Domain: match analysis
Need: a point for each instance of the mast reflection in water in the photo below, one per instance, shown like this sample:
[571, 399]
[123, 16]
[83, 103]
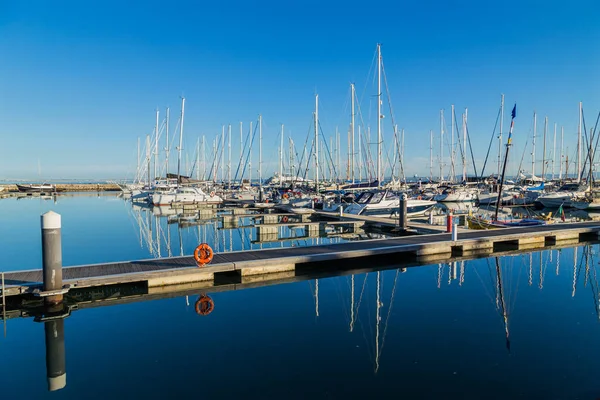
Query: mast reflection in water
[463, 325]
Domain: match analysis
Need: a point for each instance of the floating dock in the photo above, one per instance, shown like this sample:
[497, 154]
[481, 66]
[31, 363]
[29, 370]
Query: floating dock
[259, 264]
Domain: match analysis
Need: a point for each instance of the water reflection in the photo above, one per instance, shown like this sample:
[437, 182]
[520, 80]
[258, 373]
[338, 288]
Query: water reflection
[166, 231]
[383, 322]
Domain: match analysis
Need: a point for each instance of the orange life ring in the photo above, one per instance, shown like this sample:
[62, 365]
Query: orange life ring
[203, 254]
[204, 305]
[285, 196]
[419, 198]
[212, 194]
[284, 219]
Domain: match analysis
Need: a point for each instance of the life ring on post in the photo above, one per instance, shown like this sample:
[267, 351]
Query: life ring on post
[284, 219]
[203, 254]
[204, 305]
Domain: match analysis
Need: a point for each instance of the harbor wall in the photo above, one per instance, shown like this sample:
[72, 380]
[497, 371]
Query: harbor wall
[74, 187]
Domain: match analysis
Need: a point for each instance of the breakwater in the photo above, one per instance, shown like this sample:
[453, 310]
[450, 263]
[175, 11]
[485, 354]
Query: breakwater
[72, 187]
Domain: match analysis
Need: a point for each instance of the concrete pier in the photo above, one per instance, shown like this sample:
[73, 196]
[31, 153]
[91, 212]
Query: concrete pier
[405, 250]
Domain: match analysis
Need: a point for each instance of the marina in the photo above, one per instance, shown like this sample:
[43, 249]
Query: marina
[299, 201]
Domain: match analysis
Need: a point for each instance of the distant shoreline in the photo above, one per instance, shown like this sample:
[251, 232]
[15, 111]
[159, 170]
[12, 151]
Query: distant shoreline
[72, 187]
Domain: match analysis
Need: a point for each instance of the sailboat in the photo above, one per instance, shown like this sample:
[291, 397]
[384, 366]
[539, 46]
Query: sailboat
[479, 222]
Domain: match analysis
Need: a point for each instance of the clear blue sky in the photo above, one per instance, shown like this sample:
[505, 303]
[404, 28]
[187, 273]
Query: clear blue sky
[80, 80]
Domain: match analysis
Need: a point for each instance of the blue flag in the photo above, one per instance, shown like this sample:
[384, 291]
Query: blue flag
[514, 111]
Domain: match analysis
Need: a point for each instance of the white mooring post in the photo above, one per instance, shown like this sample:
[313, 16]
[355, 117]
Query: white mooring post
[52, 256]
[454, 232]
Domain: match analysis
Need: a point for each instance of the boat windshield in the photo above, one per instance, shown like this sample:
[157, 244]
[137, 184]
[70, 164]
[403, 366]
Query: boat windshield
[569, 187]
[364, 197]
[377, 197]
[390, 196]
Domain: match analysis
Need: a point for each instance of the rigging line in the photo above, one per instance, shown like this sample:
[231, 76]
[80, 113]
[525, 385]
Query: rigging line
[328, 153]
[485, 289]
[249, 150]
[389, 310]
[365, 145]
[312, 146]
[242, 156]
[303, 153]
[491, 141]
[214, 161]
[588, 146]
[471, 149]
[578, 272]
[523, 155]
[371, 68]
[362, 290]
[597, 138]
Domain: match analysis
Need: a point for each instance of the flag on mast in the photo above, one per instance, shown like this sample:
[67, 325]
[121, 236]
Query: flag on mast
[512, 124]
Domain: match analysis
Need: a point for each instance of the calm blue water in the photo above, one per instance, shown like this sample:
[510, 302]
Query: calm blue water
[106, 228]
[432, 334]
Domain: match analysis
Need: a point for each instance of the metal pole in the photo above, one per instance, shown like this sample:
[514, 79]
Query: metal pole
[52, 255]
[379, 116]
[352, 122]
[402, 221]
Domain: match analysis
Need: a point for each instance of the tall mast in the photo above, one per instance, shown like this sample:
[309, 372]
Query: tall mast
[464, 152]
[229, 157]
[544, 149]
[562, 135]
[198, 159]
[553, 150]
[222, 156]
[441, 145]
[452, 153]
[260, 150]
[137, 171]
[352, 124]
[180, 141]
[500, 135]
[402, 155]
[317, 143]
[430, 155]
[281, 158]
[508, 144]
[379, 116]
[359, 155]
[156, 147]
[339, 155]
[168, 144]
[250, 156]
[241, 142]
[533, 145]
[203, 158]
[579, 142]
[148, 157]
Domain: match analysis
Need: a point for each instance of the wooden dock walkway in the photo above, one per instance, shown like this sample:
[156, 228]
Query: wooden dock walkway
[157, 273]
